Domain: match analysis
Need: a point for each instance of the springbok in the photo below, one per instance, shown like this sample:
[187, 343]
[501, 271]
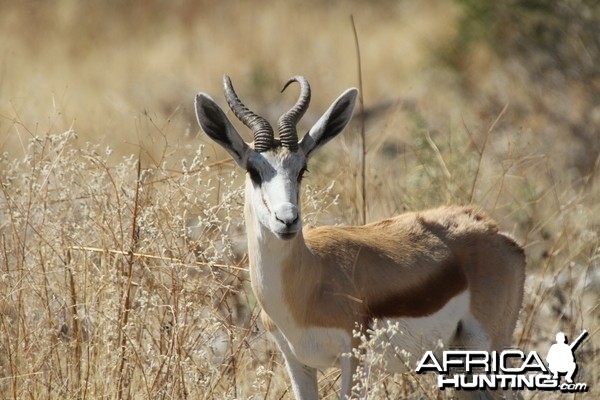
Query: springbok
[444, 274]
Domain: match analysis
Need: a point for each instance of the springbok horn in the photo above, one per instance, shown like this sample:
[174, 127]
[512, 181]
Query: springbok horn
[262, 130]
[288, 121]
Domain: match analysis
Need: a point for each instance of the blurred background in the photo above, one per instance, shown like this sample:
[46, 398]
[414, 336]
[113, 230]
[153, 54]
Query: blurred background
[107, 67]
[495, 103]
[124, 75]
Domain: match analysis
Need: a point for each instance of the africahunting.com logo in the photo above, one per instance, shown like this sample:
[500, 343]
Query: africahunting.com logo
[508, 369]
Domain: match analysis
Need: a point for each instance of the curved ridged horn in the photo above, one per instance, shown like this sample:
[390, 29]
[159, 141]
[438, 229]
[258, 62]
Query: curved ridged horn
[262, 130]
[288, 121]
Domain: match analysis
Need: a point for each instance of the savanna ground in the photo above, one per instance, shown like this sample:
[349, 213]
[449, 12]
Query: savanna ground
[123, 273]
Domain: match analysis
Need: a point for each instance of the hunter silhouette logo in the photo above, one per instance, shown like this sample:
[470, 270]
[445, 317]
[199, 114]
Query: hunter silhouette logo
[561, 358]
[507, 369]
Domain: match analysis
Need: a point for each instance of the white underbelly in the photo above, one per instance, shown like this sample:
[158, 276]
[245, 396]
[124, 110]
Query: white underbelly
[403, 341]
[400, 341]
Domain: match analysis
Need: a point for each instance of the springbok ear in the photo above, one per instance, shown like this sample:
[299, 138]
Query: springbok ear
[215, 124]
[331, 123]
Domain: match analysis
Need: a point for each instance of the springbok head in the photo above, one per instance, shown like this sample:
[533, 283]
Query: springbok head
[275, 166]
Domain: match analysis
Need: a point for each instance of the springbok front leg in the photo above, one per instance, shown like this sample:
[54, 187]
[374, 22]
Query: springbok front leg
[349, 364]
[303, 377]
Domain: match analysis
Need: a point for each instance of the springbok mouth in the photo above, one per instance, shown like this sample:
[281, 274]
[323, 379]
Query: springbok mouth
[287, 235]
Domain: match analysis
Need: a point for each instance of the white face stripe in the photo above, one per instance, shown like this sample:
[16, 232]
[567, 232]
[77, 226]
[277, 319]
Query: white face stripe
[275, 192]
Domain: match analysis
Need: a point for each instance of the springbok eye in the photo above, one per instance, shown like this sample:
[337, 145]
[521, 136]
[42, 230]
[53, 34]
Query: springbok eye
[254, 175]
[301, 174]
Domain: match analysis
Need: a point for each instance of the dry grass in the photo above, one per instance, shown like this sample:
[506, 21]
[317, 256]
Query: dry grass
[124, 276]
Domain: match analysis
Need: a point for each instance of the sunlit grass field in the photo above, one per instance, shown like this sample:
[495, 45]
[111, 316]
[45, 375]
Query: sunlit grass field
[123, 272]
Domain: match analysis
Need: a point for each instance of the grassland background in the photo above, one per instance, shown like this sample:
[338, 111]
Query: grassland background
[123, 270]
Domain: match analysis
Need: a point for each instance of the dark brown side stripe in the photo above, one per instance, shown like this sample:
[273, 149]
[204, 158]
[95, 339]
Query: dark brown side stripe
[425, 299]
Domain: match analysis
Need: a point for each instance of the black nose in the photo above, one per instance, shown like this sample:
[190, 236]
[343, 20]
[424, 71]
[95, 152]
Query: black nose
[287, 222]
[287, 214]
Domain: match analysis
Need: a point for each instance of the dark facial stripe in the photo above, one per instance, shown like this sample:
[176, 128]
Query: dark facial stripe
[262, 197]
